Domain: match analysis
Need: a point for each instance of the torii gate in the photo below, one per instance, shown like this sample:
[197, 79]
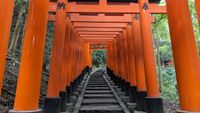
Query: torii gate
[68, 44]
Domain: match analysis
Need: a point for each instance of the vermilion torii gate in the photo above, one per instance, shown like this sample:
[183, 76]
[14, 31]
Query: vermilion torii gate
[126, 29]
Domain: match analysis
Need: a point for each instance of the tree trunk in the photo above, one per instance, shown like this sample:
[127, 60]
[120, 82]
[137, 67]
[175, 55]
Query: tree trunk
[16, 34]
[158, 59]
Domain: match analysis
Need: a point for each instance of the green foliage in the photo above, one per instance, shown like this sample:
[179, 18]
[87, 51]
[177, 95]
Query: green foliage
[161, 34]
[169, 89]
[195, 22]
[48, 46]
[99, 57]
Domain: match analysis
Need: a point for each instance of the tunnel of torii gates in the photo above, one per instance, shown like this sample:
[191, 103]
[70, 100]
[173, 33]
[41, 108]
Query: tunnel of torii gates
[125, 29]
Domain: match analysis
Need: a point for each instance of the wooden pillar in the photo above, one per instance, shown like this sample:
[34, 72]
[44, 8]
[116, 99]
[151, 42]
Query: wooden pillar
[64, 81]
[87, 53]
[52, 102]
[122, 61]
[185, 55]
[197, 5]
[125, 54]
[140, 91]
[71, 55]
[115, 52]
[67, 53]
[64, 67]
[139, 58]
[90, 58]
[132, 71]
[130, 86]
[107, 55]
[111, 56]
[71, 65]
[149, 59]
[119, 57]
[131, 55]
[28, 86]
[6, 8]
[126, 83]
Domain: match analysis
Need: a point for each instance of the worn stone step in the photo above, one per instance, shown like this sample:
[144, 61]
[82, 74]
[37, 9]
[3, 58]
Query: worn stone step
[98, 92]
[97, 88]
[126, 99]
[98, 96]
[101, 108]
[100, 101]
[99, 79]
[97, 85]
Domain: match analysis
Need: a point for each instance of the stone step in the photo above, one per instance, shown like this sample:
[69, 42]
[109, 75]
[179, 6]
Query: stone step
[97, 88]
[98, 96]
[97, 85]
[101, 108]
[99, 79]
[100, 101]
[98, 92]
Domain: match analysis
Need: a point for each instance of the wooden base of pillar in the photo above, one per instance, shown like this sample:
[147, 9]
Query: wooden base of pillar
[123, 85]
[31, 111]
[141, 100]
[52, 105]
[127, 89]
[154, 105]
[68, 94]
[133, 93]
[63, 96]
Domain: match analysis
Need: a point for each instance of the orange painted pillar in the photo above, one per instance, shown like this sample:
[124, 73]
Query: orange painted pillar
[64, 81]
[197, 5]
[115, 52]
[185, 53]
[71, 55]
[6, 8]
[107, 55]
[29, 79]
[149, 59]
[122, 61]
[74, 58]
[139, 58]
[86, 49]
[119, 57]
[125, 52]
[90, 58]
[74, 47]
[87, 53]
[132, 69]
[111, 56]
[68, 60]
[64, 67]
[53, 93]
[139, 65]
[71, 63]
[125, 82]
[131, 55]
[66, 70]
